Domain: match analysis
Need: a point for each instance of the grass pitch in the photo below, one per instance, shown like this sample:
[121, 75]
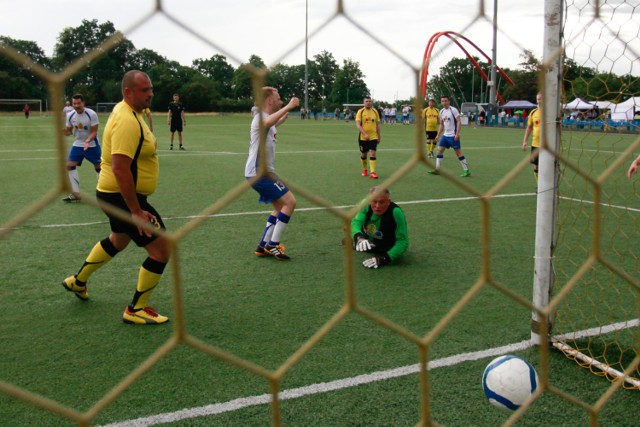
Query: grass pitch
[263, 311]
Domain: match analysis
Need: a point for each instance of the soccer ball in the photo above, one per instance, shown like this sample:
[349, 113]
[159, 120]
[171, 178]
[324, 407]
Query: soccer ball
[508, 381]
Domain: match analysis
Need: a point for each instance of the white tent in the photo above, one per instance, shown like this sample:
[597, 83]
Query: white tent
[624, 111]
[603, 105]
[579, 104]
[515, 104]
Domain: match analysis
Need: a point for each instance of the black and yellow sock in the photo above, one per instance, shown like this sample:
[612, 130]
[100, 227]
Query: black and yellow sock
[102, 253]
[372, 164]
[363, 162]
[535, 173]
[148, 278]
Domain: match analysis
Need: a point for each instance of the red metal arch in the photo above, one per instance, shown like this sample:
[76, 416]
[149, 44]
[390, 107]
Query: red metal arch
[454, 37]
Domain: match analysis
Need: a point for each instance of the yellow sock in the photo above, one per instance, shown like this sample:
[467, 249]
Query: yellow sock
[364, 163]
[372, 164]
[96, 259]
[536, 175]
[148, 278]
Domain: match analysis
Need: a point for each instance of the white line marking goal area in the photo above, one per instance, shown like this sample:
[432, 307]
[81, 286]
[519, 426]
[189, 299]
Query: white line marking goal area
[326, 387]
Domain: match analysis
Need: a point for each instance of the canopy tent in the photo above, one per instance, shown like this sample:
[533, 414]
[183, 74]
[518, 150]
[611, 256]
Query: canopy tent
[603, 105]
[578, 104]
[625, 111]
[518, 105]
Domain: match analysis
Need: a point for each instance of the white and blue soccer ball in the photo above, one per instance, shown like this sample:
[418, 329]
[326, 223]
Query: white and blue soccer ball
[508, 381]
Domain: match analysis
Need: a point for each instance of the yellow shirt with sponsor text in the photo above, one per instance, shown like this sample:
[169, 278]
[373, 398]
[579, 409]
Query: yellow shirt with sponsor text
[431, 117]
[368, 118]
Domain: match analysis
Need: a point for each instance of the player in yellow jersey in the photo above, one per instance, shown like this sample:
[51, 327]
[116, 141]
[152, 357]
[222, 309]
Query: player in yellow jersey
[533, 126]
[128, 176]
[431, 117]
[368, 123]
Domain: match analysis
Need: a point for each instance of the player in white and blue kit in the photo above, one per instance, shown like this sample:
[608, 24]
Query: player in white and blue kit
[83, 123]
[450, 131]
[268, 185]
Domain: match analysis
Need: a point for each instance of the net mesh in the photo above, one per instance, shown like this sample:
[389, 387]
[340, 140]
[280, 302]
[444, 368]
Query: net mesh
[596, 257]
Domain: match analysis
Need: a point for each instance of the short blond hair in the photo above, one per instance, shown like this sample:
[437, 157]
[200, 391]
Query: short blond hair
[268, 91]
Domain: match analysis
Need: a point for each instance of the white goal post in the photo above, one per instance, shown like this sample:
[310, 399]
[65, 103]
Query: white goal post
[21, 102]
[105, 107]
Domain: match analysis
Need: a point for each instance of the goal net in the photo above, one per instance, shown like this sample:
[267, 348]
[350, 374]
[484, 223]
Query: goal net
[105, 107]
[597, 255]
[17, 105]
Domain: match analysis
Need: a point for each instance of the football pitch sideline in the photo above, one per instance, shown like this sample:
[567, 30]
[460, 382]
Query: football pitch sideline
[263, 311]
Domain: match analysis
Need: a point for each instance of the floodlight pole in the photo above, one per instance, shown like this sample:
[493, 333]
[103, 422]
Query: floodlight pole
[306, 55]
[492, 93]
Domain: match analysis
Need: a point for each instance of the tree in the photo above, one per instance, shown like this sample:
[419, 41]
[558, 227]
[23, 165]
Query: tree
[349, 85]
[167, 79]
[219, 71]
[199, 93]
[289, 80]
[103, 72]
[322, 74]
[460, 80]
[145, 59]
[242, 86]
[525, 78]
[17, 81]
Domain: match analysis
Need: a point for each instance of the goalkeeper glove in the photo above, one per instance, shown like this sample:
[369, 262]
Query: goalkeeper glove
[363, 245]
[376, 262]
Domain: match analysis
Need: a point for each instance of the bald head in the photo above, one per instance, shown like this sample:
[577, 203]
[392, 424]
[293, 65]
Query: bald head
[129, 78]
[137, 89]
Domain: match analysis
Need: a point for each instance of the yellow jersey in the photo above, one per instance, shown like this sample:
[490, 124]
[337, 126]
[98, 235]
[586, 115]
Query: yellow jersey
[368, 118]
[431, 116]
[534, 120]
[127, 134]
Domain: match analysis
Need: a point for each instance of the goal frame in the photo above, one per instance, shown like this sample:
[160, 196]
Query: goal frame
[11, 101]
[101, 104]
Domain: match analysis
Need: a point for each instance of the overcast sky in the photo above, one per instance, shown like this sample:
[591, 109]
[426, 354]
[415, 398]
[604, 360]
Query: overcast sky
[275, 31]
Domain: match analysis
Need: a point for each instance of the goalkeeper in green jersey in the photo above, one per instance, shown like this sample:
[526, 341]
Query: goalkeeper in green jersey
[380, 229]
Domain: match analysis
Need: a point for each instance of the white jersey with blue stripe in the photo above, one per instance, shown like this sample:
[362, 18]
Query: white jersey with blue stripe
[81, 125]
[253, 162]
[450, 118]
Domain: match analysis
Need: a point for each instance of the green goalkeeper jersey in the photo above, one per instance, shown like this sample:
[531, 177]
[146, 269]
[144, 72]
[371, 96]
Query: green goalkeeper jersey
[388, 232]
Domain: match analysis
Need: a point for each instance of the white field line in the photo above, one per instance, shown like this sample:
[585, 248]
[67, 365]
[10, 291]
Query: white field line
[626, 208]
[230, 153]
[325, 387]
[410, 202]
[263, 399]
[244, 153]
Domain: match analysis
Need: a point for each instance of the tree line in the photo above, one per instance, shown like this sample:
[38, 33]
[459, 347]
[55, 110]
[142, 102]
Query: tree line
[208, 84]
[212, 84]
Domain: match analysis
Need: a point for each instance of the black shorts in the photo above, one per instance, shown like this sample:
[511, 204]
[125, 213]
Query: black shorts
[120, 226]
[367, 145]
[431, 134]
[535, 155]
[176, 126]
